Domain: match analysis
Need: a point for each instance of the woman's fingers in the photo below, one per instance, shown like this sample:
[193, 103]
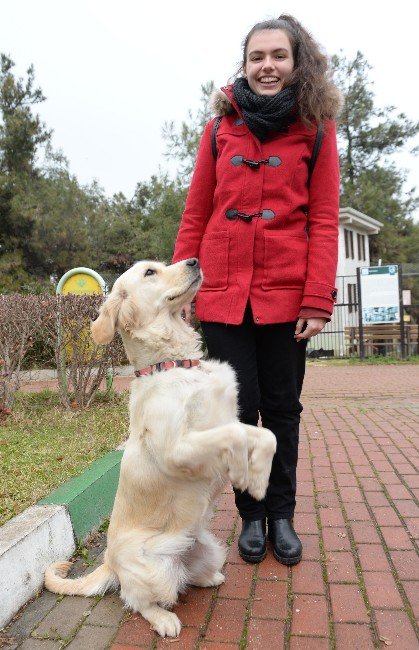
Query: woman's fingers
[313, 327]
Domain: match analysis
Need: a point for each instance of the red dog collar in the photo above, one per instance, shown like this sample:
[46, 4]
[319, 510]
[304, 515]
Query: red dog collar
[167, 365]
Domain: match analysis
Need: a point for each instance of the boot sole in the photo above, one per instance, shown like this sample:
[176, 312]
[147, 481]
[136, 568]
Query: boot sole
[253, 559]
[289, 561]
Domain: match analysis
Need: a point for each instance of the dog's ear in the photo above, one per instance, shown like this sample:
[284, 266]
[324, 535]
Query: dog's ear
[119, 309]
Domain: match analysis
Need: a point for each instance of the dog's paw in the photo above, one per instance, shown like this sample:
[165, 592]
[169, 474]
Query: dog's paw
[167, 624]
[239, 479]
[257, 485]
[213, 581]
[217, 579]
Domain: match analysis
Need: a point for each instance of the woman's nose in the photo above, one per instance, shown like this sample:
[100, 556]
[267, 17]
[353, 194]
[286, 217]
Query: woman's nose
[268, 63]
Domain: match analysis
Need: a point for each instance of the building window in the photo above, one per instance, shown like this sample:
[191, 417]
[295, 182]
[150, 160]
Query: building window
[349, 243]
[352, 299]
[361, 247]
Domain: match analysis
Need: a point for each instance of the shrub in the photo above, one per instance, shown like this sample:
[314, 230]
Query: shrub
[20, 323]
[82, 366]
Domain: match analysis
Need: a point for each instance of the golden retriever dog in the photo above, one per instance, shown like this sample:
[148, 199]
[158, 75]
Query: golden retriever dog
[185, 443]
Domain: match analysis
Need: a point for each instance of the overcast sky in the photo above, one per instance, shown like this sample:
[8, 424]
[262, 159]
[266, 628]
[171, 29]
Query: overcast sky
[114, 71]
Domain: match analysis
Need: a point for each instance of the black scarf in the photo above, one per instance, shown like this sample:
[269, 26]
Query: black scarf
[263, 114]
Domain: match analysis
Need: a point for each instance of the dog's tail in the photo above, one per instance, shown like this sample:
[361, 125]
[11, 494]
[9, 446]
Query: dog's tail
[95, 583]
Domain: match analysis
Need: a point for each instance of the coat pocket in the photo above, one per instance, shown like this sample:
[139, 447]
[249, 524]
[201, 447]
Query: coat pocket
[213, 258]
[285, 260]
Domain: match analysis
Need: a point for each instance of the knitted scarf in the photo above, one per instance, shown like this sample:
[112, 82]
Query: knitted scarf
[264, 114]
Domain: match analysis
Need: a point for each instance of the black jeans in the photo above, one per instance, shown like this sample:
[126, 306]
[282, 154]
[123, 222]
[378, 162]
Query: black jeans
[270, 367]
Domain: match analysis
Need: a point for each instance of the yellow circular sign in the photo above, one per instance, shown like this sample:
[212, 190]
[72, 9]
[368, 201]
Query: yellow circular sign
[81, 283]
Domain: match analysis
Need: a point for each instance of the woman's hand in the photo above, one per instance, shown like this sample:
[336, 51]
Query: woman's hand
[313, 327]
[186, 312]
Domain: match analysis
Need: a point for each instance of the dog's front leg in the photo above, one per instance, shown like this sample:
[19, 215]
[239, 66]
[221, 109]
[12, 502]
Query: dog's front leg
[221, 450]
[262, 446]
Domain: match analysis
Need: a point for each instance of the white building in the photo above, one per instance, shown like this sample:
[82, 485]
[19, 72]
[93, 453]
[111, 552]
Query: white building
[355, 229]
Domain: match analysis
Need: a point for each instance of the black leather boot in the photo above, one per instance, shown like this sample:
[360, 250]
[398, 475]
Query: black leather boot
[287, 547]
[252, 540]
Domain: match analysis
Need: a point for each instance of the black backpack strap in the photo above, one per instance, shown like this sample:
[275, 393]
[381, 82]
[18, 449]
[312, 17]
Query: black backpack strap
[214, 136]
[316, 149]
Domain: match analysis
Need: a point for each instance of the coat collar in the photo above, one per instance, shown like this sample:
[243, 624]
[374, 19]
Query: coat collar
[223, 102]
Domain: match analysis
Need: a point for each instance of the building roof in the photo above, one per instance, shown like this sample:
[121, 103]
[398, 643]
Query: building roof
[349, 216]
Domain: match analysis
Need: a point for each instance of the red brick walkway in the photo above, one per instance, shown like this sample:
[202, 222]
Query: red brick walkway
[358, 584]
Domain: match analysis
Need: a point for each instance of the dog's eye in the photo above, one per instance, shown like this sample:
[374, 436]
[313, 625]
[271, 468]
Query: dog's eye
[150, 272]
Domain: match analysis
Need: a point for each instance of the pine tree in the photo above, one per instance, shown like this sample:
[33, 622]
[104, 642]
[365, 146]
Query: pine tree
[370, 181]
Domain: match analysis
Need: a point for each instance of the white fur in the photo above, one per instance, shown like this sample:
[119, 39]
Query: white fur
[185, 443]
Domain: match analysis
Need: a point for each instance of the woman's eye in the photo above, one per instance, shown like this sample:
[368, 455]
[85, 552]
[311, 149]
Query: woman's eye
[150, 272]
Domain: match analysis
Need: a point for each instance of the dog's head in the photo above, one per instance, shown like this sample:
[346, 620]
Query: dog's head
[147, 293]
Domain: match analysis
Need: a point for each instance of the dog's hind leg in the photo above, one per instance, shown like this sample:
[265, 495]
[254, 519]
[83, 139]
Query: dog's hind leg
[151, 586]
[205, 560]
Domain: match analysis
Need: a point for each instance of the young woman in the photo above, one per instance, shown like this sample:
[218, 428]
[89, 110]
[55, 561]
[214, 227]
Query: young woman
[265, 231]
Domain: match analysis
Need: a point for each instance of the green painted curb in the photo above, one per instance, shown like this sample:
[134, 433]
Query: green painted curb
[89, 496]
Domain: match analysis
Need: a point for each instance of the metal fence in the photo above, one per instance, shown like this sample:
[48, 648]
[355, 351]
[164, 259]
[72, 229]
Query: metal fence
[345, 336]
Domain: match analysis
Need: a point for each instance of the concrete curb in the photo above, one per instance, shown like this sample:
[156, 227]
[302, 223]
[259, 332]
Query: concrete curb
[89, 496]
[51, 530]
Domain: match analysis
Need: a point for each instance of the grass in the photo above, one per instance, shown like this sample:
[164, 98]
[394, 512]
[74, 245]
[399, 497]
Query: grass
[42, 444]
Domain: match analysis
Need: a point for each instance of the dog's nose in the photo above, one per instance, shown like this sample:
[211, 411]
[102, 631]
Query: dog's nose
[193, 262]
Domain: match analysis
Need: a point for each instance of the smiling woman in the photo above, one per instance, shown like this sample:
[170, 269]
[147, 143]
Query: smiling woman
[263, 224]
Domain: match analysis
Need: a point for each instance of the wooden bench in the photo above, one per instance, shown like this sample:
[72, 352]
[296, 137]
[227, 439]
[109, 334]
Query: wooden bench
[382, 339]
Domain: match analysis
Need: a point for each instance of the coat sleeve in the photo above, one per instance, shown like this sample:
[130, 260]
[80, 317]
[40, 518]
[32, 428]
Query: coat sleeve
[199, 203]
[323, 221]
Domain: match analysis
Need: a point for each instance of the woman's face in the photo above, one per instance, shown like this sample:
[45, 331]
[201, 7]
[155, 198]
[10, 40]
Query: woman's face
[269, 61]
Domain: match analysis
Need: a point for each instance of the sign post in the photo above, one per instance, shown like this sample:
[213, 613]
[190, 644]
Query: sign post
[380, 299]
[81, 281]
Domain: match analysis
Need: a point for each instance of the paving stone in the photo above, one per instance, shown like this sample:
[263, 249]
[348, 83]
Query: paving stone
[396, 538]
[406, 563]
[331, 517]
[406, 508]
[305, 523]
[340, 567]
[135, 631]
[354, 636]
[65, 616]
[227, 621]
[264, 634]
[382, 590]
[92, 638]
[347, 604]
[395, 627]
[33, 614]
[37, 644]
[373, 558]
[336, 539]
[412, 592]
[238, 581]
[311, 547]
[364, 532]
[309, 615]
[193, 606]
[386, 516]
[270, 599]
[307, 578]
[109, 611]
[309, 643]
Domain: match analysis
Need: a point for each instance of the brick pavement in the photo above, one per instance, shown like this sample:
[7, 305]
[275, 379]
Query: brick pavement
[357, 586]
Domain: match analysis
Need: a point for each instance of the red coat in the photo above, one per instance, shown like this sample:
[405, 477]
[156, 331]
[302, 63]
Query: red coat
[282, 264]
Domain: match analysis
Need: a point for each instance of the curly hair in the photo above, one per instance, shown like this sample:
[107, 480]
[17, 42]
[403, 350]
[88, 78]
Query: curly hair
[317, 95]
